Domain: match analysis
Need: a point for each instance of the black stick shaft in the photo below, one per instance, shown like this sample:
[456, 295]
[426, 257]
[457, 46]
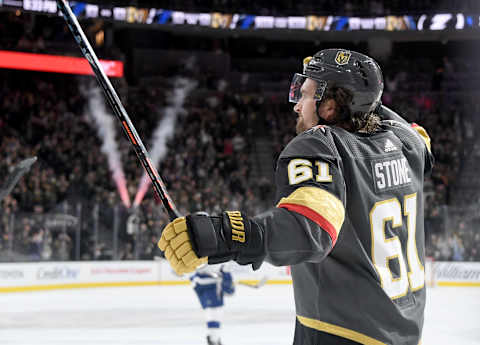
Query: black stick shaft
[118, 109]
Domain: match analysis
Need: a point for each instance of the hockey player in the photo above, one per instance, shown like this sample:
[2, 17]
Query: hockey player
[210, 285]
[349, 217]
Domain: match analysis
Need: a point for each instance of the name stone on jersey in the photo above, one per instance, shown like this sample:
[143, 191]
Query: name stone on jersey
[391, 173]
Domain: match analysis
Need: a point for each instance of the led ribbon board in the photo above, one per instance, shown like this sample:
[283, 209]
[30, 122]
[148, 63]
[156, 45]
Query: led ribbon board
[130, 14]
[56, 63]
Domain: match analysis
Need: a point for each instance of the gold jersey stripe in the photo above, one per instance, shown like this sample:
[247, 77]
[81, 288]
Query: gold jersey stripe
[423, 133]
[319, 200]
[339, 331]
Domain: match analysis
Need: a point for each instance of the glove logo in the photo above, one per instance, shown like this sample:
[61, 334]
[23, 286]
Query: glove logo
[238, 228]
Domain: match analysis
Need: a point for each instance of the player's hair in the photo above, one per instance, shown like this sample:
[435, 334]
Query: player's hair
[357, 121]
[366, 123]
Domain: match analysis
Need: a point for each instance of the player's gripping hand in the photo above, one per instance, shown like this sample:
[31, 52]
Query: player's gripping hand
[191, 241]
[177, 246]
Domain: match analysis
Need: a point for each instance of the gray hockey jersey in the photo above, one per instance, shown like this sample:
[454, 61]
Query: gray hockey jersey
[349, 219]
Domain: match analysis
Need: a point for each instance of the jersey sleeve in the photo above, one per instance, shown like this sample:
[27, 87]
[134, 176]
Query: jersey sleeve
[305, 224]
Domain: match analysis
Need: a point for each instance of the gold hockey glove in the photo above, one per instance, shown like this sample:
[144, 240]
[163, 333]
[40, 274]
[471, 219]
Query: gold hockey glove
[177, 246]
[191, 241]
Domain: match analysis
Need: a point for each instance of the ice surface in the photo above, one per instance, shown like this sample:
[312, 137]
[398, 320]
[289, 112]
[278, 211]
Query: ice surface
[171, 315]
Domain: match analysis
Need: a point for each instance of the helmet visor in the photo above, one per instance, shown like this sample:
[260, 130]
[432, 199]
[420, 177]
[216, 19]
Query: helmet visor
[314, 87]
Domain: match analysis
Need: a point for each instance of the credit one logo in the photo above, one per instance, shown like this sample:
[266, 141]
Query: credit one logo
[11, 274]
[62, 272]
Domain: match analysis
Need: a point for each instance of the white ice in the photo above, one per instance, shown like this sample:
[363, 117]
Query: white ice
[171, 315]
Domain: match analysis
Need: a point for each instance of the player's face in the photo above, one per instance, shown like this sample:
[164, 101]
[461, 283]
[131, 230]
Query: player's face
[306, 108]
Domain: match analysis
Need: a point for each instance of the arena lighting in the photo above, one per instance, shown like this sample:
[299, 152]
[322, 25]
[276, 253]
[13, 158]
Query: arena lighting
[56, 63]
[217, 20]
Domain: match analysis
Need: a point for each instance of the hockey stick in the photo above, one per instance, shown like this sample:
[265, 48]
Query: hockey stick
[114, 101]
[259, 284]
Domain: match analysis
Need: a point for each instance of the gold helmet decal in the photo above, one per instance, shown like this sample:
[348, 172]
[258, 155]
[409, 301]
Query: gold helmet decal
[342, 57]
[306, 61]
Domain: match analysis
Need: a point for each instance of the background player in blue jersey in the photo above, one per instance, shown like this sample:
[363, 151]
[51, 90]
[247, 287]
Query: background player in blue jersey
[211, 284]
[349, 212]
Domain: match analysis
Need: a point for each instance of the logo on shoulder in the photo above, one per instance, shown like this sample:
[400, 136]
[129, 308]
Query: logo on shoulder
[342, 57]
[389, 146]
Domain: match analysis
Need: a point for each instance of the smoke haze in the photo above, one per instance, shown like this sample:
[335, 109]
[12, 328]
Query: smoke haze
[165, 130]
[106, 132]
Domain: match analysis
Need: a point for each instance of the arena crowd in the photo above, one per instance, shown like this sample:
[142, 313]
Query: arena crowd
[211, 153]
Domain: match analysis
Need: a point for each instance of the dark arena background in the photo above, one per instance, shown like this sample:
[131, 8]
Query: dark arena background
[205, 84]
